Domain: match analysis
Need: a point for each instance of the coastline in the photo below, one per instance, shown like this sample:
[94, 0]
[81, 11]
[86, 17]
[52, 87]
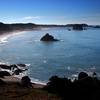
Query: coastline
[4, 37]
[12, 79]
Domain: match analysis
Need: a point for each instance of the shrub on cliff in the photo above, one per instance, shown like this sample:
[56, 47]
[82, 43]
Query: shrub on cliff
[26, 81]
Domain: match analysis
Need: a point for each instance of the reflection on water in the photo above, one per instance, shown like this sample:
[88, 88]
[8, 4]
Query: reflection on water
[77, 51]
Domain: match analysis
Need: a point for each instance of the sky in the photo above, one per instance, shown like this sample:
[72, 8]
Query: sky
[50, 11]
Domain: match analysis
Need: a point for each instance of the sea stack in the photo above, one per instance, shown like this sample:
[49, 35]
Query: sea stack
[48, 37]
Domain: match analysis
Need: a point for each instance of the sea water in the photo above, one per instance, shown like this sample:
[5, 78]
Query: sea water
[76, 51]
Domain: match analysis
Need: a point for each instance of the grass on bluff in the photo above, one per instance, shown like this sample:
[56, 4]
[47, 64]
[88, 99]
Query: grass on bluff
[14, 91]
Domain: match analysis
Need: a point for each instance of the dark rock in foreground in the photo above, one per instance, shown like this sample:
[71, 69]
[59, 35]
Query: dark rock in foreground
[18, 71]
[4, 66]
[4, 73]
[15, 68]
[2, 82]
[84, 88]
[26, 81]
[48, 37]
[82, 75]
[21, 65]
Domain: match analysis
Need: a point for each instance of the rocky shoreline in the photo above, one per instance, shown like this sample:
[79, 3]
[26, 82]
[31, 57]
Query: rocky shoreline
[63, 88]
[12, 71]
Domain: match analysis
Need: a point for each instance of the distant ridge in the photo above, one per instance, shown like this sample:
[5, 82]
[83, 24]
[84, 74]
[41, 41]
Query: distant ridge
[16, 27]
[5, 28]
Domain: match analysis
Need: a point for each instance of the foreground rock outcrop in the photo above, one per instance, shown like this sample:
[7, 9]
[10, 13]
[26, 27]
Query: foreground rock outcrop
[84, 88]
[4, 73]
[16, 69]
[48, 37]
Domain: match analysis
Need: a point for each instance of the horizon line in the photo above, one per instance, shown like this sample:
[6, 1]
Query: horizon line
[44, 23]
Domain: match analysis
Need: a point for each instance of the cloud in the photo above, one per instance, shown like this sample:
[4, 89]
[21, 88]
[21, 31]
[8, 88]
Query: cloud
[31, 17]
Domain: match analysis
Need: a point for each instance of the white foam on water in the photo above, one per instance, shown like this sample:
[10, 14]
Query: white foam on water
[4, 38]
[5, 63]
[37, 81]
[6, 70]
[33, 80]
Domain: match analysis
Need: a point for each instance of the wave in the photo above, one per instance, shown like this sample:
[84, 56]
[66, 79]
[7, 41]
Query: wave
[4, 38]
[5, 63]
[33, 80]
[37, 81]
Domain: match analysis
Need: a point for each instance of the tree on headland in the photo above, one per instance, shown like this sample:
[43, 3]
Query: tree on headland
[83, 88]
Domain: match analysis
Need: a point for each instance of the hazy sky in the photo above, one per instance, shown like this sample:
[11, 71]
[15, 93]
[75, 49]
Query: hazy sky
[50, 11]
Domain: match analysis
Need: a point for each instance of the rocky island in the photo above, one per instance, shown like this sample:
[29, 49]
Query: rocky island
[48, 37]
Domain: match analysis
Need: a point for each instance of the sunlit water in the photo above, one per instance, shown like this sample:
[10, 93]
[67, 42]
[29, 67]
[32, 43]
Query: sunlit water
[76, 51]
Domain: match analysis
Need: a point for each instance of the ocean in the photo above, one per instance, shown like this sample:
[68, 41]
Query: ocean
[75, 52]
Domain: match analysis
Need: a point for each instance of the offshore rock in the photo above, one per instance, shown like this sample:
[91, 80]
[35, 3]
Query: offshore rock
[48, 37]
